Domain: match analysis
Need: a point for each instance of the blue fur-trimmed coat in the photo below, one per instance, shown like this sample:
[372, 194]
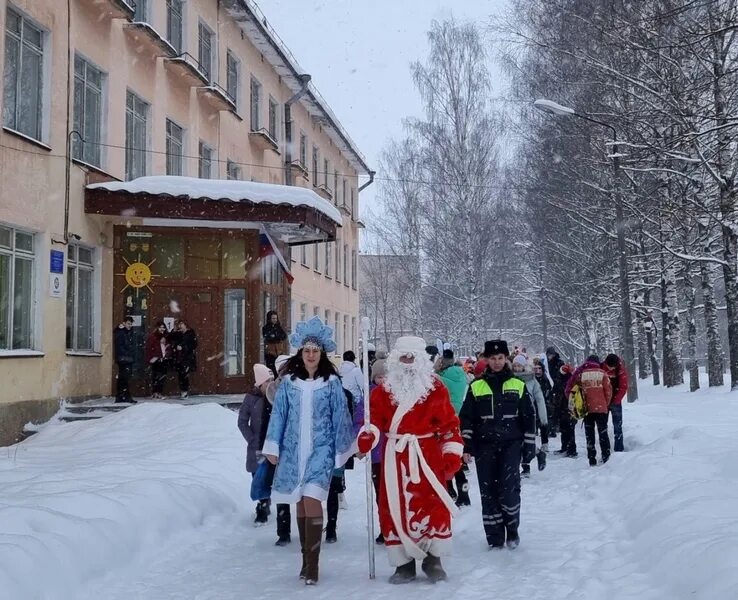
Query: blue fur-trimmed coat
[311, 432]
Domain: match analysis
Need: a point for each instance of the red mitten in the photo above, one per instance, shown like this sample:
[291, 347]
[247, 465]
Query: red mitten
[367, 439]
[451, 465]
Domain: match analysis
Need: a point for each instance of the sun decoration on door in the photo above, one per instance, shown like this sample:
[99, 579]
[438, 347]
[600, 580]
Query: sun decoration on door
[138, 275]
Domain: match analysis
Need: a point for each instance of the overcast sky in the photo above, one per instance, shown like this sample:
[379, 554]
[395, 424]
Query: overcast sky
[359, 53]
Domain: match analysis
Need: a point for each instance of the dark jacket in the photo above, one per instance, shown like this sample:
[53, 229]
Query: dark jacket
[545, 387]
[274, 337]
[495, 413]
[253, 419]
[184, 346]
[124, 345]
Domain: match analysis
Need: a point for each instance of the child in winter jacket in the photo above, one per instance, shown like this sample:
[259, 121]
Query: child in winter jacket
[523, 371]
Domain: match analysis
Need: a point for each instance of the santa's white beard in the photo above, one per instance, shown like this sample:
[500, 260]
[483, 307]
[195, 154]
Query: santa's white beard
[408, 383]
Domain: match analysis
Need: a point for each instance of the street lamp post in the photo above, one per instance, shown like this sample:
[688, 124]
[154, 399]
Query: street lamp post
[626, 317]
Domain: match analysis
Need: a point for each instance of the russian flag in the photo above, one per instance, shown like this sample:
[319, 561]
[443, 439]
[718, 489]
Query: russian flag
[267, 247]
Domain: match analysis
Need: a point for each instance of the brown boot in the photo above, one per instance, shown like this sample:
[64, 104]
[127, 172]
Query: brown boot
[313, 537]
[301, 531]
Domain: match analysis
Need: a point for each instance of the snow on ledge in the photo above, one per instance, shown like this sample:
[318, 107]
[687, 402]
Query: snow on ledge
[223, 189]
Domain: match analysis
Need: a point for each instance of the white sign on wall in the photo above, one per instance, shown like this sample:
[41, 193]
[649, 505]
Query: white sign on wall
[56, 285]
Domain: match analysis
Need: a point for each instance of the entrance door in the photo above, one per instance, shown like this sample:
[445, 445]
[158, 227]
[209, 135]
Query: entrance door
[201, 309]
[234, 365]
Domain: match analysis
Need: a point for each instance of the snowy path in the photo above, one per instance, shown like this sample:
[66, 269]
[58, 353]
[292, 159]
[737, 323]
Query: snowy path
[566, 552]
[151, 503]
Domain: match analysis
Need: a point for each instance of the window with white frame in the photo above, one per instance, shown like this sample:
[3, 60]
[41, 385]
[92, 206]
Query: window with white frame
[346, 265]
[338, 260]
[233, 171]
[205, 50]
[316, 257]
[17, 289]
[273, 119]
[80, 298]
[335, 187]
[233, 76]
[175, 146]
[255, 105]
[327, 318]
[354, 212]
[303, 311]
[205, 161]
[23, 77]
[137, 112]
[353, 333]
[88, 112]
[303, 255]
[354, 268]
[337, 332]
[326, 168]
[303, 150]
[315, 165]
[328, 259]
[346, 333]
[316, 311]
[142, 11]
[344, 195]
[175, 11]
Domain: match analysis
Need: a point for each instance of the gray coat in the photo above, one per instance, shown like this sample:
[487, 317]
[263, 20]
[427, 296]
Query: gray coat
[535, 391]
[252, 426]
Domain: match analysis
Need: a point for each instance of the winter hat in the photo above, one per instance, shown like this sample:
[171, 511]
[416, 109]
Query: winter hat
[520, 360]
[431, 351]
[379, 368]
[566, 369]
[410, 344]
[262, 374]
[492, 347]
[551, 351]
[448, 354]
[593, 358]
[280, 361]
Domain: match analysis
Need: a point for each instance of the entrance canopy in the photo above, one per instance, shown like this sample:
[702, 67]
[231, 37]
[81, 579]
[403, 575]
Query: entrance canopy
[295, 215]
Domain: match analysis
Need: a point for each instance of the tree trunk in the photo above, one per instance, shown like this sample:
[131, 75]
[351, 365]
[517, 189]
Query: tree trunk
[714, 343]
[672, 365]
[691, 330]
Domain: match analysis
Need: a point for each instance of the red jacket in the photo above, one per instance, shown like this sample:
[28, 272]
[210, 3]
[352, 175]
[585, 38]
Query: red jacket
[154, 349]
[480, 367]
[595, 386]
[618, 381]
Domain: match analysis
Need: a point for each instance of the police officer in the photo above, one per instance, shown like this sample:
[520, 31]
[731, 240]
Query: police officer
[498, 423]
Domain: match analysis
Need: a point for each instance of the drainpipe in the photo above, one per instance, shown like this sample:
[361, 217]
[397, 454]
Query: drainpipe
[368, 183]
[304, 81]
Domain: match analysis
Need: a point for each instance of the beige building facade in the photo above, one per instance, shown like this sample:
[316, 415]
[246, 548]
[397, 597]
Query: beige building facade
[113, 91]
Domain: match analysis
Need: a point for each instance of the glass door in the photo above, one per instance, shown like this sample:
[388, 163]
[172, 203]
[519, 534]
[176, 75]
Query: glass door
[234, 303]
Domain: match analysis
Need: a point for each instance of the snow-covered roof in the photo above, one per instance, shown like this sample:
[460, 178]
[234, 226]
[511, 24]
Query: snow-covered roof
[223, 189]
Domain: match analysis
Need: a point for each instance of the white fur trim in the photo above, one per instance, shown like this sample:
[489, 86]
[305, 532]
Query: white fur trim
[270, 447]
[453, 448]
[397, 555]
[440, 547]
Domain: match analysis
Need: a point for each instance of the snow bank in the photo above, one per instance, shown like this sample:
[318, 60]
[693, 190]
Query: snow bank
[78, 499]
[677, 490]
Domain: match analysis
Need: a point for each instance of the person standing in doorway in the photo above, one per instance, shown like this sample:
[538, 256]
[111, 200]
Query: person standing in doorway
[274, 339]
[124, 347]
[185, 358]
[310, 434]
[158, 355]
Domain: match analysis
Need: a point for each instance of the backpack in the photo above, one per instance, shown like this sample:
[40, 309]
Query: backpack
[577, 403]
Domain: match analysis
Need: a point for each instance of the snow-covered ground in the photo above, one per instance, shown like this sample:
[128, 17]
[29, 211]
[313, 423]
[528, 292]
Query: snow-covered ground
[152, 503]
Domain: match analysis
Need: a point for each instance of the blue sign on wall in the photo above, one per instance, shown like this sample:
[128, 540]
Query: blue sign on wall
[57, 261]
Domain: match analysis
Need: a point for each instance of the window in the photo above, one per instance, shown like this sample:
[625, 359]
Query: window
[17, 289]
[142, 11]
[316, 311]
[354, 268]
[345, 336]
[327, 317]
[273, 119]
[205, 162]
[315, 166]
[328, 259]
[353, 333]
[88, 105]
[175, 143]
[346, 265]
[326, 167]
[337, 332]
[233, 71]
[316, 257]
[255, 105]
[338, 260]
[205, 51]
[335, 187]
[270, 270]
[303, 255]
[234, 311]
[303, 311]
[354, 212]
[303, 150]
[136, 135]
[80, 298]
[174, 24]
[23, 80]
[344, 195]
[233, 171]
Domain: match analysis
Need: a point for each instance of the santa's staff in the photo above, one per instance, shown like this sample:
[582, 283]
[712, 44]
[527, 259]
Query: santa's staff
[367, 427]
